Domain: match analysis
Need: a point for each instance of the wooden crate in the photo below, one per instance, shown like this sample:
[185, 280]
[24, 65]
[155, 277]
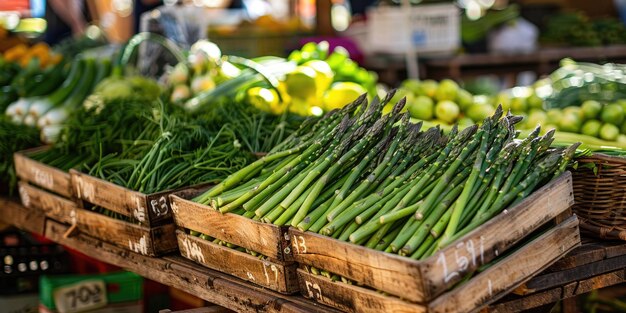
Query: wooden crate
[42, 175]
[482, 289]
[146, 209]
[422, 281]
[150, 241]
[267, 239]
[274, 275]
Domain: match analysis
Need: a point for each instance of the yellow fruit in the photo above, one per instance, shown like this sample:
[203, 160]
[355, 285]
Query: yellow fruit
[323, 74]
[265, 99]
[341, 94]
[301, 82]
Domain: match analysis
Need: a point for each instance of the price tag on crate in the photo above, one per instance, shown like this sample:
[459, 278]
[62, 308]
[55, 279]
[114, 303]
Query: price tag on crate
[80, 297]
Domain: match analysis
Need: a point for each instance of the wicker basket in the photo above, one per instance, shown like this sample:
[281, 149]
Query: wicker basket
[600, 195]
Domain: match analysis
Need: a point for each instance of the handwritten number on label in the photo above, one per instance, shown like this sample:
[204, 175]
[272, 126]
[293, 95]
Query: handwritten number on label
[273, 269]
[465, 253]
[313, 290]
[80, 297]
[299, 244]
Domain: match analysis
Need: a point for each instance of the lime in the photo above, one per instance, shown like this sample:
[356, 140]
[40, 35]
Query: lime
[609, 132]
[447, 111]
[623, 128]
[621, 138]
[570, 122]
[342, 93]
[574, 110]
[465, 122]
[483, 99]
[324, 74]
[622, 103]
[536, 118]
[422, 108]
[447, 90]
[554, 116]
[428, 88]
[534, 102]
[301, 82]
[464, 99]
[402, 93]
[519, 105]
[612, 113]
[478, 112]
[503, 99]
[412, 85]
[591, 109]
[547, 128]
[591, 128]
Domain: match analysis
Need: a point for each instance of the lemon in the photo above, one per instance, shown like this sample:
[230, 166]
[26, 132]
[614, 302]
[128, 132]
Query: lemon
[591, 109]
[422, 108]
[612, 113]
[264, 99]
[447, 90]
[340, 94]
[323, 74]
[300, 107]
[447, 111]
[301, 82]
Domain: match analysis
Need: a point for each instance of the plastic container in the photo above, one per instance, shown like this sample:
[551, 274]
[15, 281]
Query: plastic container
[428, 28]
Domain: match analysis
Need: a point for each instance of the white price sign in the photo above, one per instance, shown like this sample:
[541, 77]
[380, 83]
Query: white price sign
[80, 297]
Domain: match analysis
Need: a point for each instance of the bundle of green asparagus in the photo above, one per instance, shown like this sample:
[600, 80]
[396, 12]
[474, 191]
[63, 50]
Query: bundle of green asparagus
[380, 181]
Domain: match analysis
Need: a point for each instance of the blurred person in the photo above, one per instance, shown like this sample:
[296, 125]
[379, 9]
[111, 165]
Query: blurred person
[141, 7]
[65, 18]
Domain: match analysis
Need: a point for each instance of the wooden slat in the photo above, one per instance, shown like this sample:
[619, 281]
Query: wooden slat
[276, 276]
[267, 239]
[51, 205]
[152, 241]
[517, 304]
[351, 298]
[25, 218]
[183, 274]
[421, 281]
[502, 277]
[41, 174]
[551, 280]
[112, 197]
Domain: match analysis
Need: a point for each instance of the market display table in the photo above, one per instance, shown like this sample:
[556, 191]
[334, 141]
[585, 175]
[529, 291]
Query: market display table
[174, 271]
[542, 61]
[592, 266]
